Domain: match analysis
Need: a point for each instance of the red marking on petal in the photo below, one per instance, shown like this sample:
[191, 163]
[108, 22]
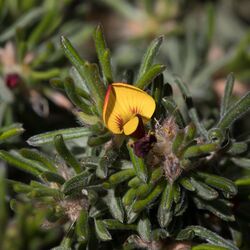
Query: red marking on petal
[135, 110]
[119, 121]
[106, 102]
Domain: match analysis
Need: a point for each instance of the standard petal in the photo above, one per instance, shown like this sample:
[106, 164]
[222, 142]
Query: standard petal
[122, 103]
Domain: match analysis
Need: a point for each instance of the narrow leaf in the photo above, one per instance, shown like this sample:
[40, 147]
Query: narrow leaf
[171, 107]
[218, 207]
[77, 183]
[82, 227]
[121, 176]
[53, 177]
[117, 225]
[141, 204]
[88, 71]
[218, 182]
[164, 214]
[68, 134]
[149, 76]
[103, 54]
[200, 150]
[7, 132]
[204, 191]
[149, 56]
[20, 163]
[139, 165]
[102, 231]
[115, 205]
[144, 228]
[73, 96]
[236, 111]
[227, 94]
[205, 234]
[38, 156]
[64, 152]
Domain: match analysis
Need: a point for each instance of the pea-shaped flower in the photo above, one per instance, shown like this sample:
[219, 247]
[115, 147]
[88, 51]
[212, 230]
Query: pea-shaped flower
[126, 108]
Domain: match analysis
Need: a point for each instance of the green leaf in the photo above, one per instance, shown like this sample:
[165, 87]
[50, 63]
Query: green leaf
[156, 175]
[204, 191]
[171, 107]
[129, 197]
[3, 205]
[105, 162]
[177, 142]
[182, 205]
[77, 183]
[149, 56]
[164, 214]
[7, 132]
[227, 94]
[237, 148]
[190, 132]
[80, 84]
[121, 176]
[235, 111]
[98, 140]
[82, 227]
[64, 152]
[115, 205]
[200, 150]
[143, 190]
[216, 135]
[218, 182]
[144, 228]
[243, 181]
[141, 204]
[218, 207]
[39, 157]
[102, 231]
[39, 190]
[20, 187]
[208, 247]
[73, 96]
[29, 18]
[44, 75]
[187, 184]
[53, 177]
[149, 76]
[68, 134]
[191, 110]
[103, 54]
[157, 89]
[90, 161]
[87, 119]
[116, 225]
[159, 234]
[190, 232]
[89, 72]
[134, 182]
[21, 163]
[41, 28]
[139, 165]
[176, 192]
[241, 162]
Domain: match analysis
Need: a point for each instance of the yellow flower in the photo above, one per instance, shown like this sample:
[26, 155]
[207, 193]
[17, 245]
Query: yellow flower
[125, 106]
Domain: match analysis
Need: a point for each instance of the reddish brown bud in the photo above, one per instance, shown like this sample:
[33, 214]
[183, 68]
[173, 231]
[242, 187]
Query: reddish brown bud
[12, 80]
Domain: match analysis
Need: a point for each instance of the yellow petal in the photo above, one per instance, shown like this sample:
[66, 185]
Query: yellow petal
[130, 127]
[122, 103]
